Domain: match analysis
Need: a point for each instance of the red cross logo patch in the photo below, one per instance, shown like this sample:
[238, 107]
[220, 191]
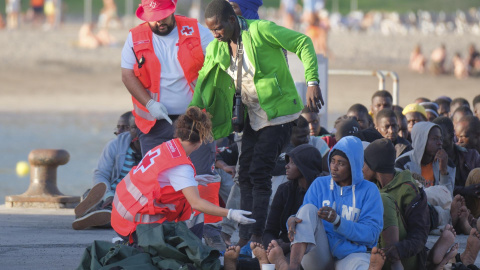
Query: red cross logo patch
[187, 30]
[147, 161]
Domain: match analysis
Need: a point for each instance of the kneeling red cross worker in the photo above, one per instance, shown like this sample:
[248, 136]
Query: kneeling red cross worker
[163, 186]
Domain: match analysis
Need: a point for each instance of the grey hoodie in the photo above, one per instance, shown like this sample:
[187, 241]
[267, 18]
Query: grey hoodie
[412, 159]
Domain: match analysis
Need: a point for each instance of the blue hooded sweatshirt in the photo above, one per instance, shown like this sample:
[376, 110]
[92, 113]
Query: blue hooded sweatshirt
[359, 205]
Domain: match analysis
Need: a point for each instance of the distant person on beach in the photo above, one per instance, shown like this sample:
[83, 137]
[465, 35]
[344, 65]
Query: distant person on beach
[460, 69]
[164, 185]
[289, 13]
[317, 25]
[108, 15]
[119, 156]
[37, 12]
[473, 61]
[268, 122]
[2, 22]
[50, 8]
[12, 11]
[160, 63]
[437, 60]
[417, 60]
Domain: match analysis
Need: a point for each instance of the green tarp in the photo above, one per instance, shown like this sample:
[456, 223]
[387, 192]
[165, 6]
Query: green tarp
[165, 246]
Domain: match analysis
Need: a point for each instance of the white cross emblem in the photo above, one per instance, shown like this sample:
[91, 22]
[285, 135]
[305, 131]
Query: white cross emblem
[153, 4]
[187, 30]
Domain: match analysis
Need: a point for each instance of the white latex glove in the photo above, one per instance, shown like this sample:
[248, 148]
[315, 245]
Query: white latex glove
[204, 179]
[158, 110]
[239, 216]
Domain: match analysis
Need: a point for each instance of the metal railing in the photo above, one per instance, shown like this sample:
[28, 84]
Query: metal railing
[380, 74]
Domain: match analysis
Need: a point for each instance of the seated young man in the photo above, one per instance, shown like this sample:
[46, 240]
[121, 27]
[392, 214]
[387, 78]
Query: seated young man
[304, 164]
[381, 99]
[387, 125]
[360, 113]
[343, 210]
[431, 163]
[467, 131]
[405, 224]
[466, 161]
[414, 113]
[118, 157]
[313, 120]
[457, 103]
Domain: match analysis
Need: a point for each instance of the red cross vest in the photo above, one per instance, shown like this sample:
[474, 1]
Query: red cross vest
[190, 56]
[139, 197]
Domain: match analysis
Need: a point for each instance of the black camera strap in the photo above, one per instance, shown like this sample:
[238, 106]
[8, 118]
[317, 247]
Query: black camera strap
[238, 88]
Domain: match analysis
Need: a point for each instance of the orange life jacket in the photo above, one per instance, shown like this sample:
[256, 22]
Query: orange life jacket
[139, 197]
[190, 56]
[210, 193]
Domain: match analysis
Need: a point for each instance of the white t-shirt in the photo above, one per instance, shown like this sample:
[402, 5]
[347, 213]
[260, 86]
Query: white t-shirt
[178, 177]
[258, 117]
[175, 93]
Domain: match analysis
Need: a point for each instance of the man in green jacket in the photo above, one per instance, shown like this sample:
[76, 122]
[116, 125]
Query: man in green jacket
[267, 91]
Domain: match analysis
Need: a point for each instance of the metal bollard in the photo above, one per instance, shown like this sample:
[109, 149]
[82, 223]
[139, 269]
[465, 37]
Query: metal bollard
[43, 191]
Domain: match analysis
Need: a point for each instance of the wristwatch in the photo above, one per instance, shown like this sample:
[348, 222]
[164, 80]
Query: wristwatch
[312, 83]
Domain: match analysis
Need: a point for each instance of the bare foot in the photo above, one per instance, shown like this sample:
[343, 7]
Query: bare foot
[275, 256]
[444, 242]
[462, 223]
[226, 238]
[260, 253]
[377, 259]
[449, 256]
[455, 208]
[231, 257]
[473, 246]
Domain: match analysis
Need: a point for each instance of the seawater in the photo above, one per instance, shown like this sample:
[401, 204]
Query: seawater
[82, 134]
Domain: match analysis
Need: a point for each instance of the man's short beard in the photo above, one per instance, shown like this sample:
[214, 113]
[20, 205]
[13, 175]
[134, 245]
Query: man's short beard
[169, 30]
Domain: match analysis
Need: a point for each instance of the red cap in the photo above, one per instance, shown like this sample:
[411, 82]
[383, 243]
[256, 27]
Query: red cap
[155, 10]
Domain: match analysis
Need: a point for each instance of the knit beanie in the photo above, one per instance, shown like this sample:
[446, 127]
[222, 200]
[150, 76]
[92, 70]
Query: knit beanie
[337, 152]
[380, 156]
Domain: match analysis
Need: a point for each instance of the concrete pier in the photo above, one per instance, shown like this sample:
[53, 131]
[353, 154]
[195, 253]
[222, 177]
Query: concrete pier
[44, 239]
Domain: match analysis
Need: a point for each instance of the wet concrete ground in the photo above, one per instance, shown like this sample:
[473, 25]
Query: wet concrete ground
[44, 239]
